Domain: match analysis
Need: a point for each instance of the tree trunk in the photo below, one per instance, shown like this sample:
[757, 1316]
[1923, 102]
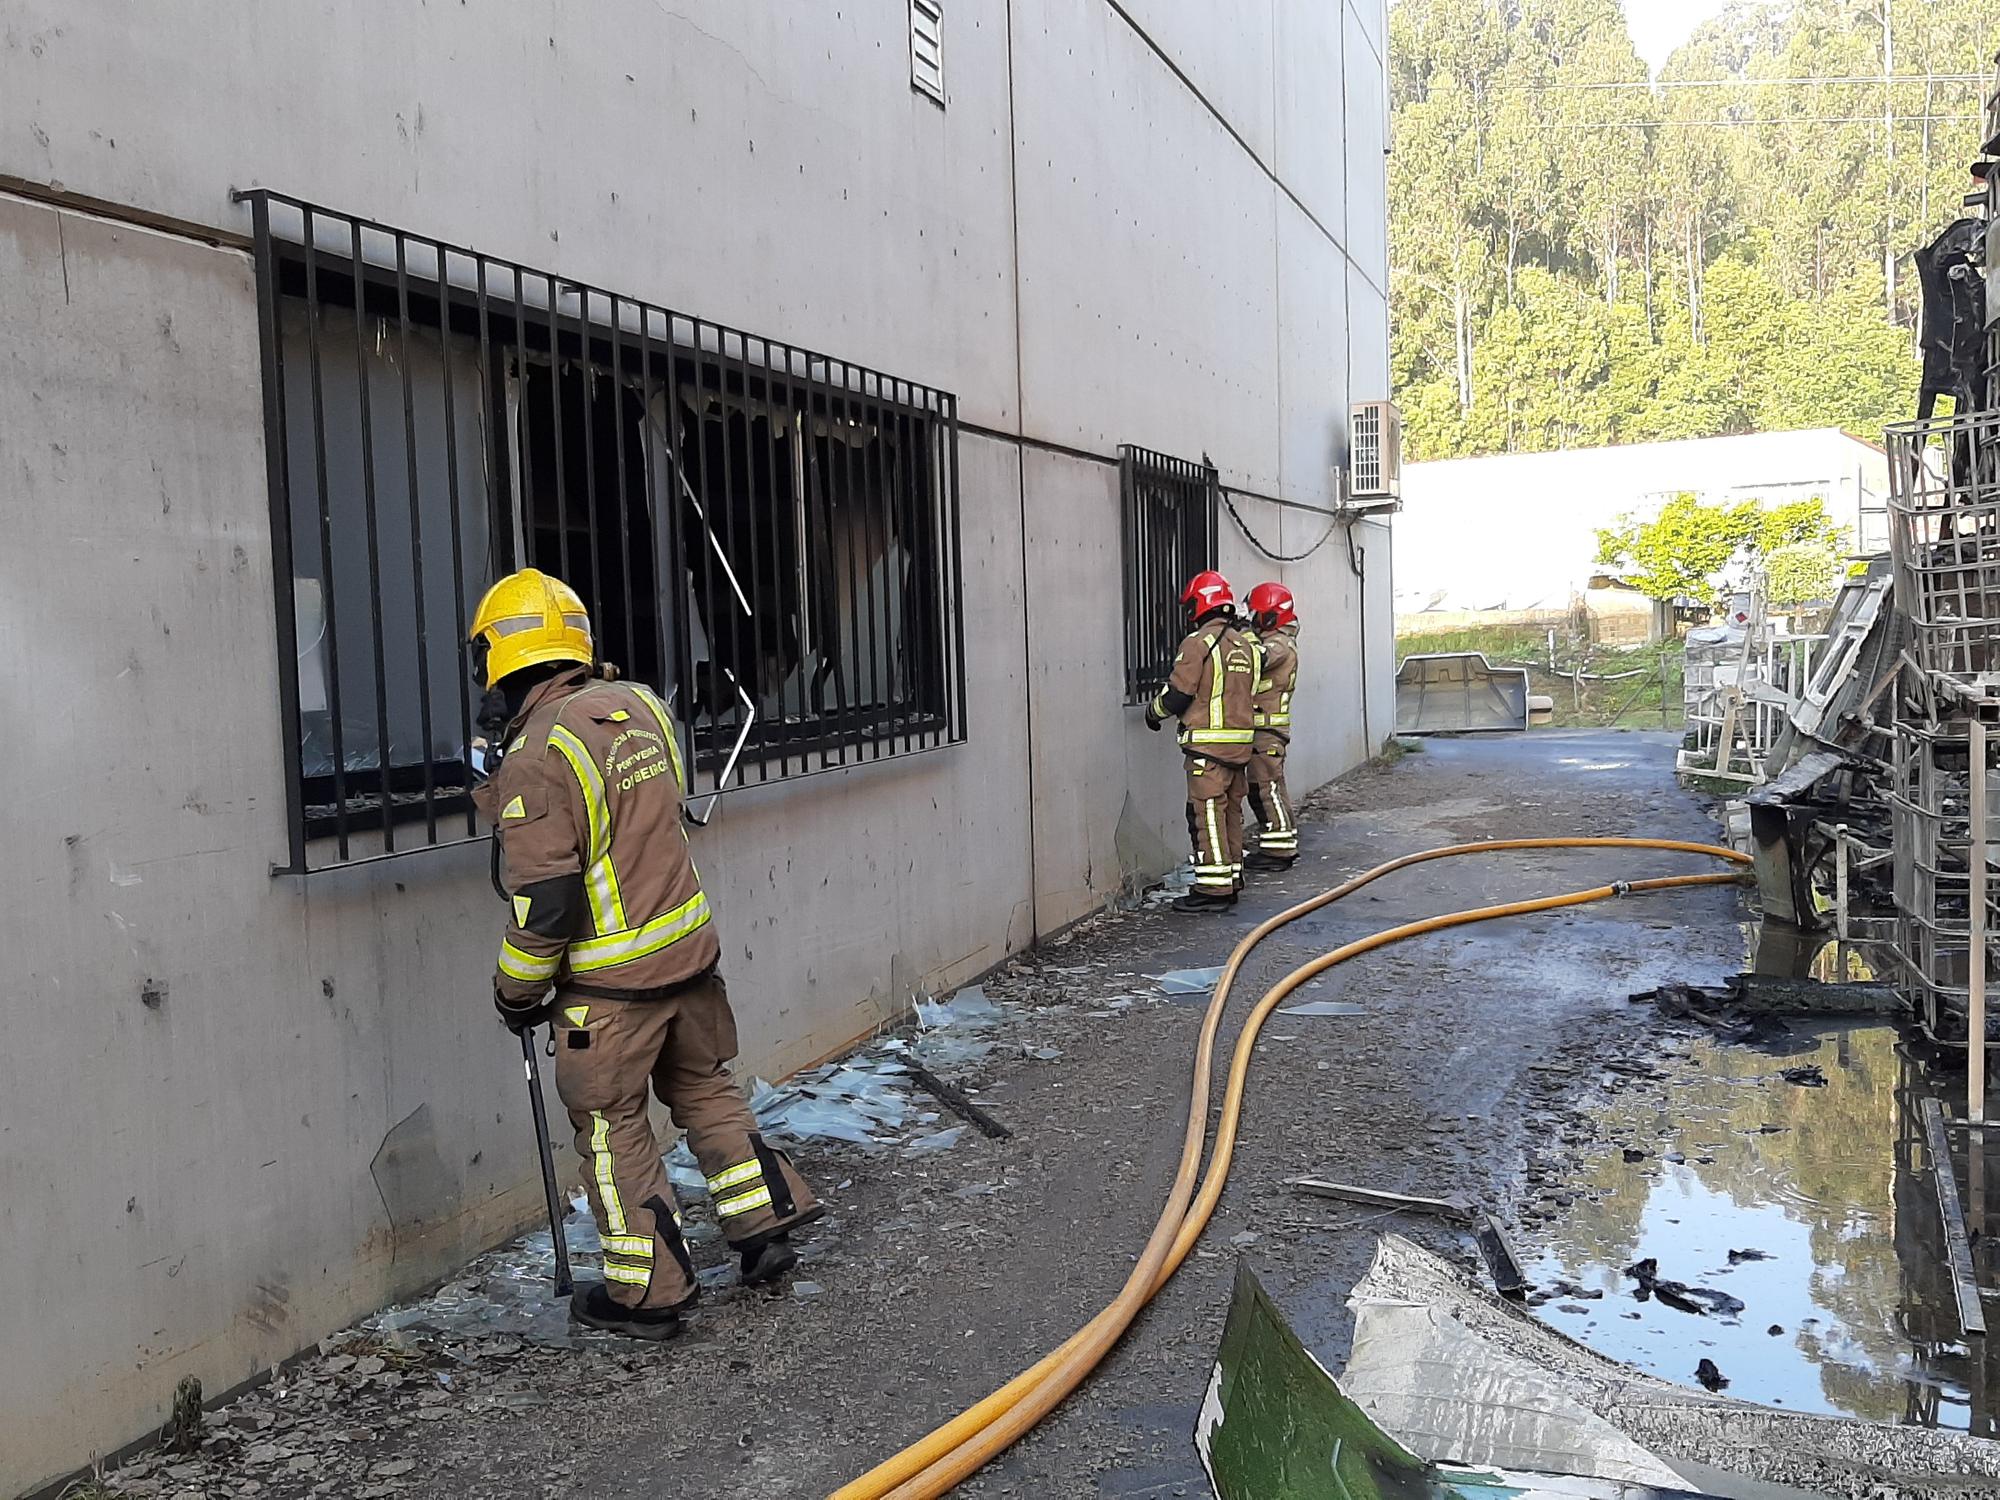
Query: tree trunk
[1647, 260]
[1461, 314]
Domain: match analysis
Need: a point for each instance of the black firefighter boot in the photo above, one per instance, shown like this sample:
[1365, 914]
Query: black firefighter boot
[1202, 901]
[1257, 859]
[591, 1305]
[767, 1259]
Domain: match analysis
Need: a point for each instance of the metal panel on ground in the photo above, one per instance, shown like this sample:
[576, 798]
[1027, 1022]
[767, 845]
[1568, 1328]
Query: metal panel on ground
[1457, 693]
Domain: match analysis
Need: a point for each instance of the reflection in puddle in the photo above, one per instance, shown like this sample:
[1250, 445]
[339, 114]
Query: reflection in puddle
[1851, 1314]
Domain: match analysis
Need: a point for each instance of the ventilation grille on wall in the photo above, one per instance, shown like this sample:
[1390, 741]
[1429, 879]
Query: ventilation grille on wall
[1375, 452]
[927, 47]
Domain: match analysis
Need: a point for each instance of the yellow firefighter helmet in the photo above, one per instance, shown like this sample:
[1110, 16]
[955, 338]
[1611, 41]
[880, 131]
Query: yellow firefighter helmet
[525, 619]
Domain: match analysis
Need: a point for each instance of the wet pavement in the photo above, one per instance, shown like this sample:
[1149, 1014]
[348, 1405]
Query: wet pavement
[1475, 1057]
[1810, 1202]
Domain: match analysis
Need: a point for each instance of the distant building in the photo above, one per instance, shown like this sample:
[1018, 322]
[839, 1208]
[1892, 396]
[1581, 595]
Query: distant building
[1515, 536]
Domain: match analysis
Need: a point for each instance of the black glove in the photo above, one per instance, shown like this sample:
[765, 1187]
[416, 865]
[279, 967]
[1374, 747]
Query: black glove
[1153, 719]
[520, 1018]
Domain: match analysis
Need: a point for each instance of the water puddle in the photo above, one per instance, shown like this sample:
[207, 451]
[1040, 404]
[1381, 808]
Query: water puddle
[1847, 1303]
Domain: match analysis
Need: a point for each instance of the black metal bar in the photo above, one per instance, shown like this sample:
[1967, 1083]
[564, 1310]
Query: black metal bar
[957, 566]
[717, 610]
[586, 379]
[675, 521]
[624, 501]
[416, 544]
[327, 604]
[556, 429]
[550, 1195]
[1126, 592]
[520, 426]
[732, 555]
[851, 411]
[374, 547]
[1958, 1255]
[459, 622]
[901, 464]
[769, 609]
[816, 564]
[277, 474]
[500, 463]
[660, 475]
[871, 491]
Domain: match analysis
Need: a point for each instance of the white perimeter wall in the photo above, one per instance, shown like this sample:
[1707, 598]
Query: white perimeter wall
[239, 1111]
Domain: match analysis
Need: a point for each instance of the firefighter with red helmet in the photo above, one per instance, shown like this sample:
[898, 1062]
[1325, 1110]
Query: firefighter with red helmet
[1212, 692]
[1274, 621]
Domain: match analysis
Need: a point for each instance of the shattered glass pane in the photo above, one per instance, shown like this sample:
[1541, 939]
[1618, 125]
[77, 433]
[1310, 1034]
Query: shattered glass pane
[1189, 981]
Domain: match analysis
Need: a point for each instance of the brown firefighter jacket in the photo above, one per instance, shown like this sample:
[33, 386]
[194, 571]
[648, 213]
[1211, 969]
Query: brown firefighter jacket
[1273, 710]
[605, 895]
[1212, 690]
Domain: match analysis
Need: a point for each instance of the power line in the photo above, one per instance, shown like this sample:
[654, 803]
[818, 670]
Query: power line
[1739, 124]
[1749, 83]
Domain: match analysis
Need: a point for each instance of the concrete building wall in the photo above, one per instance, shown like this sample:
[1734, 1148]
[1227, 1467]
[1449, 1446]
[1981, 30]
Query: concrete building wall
[257, 1107]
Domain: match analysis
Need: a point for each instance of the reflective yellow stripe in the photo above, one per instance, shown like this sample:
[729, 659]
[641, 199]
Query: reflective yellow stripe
[607, 910]
[600, 1160]
[1215, 848]
[666, 728]
[743, 1203]
[590, 954]
[635, 1246]
[1216, 676]
[735, 1176]
[529, 968]
[1216, 737]
[577, 1014]
[630, 1275]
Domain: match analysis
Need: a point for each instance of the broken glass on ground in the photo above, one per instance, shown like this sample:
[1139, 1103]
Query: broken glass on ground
[1189, 981]
[1322, 1008]
[1453, 1372]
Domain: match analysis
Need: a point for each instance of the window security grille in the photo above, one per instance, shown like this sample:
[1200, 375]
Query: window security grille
[766, 535]
[927, 47]
[1169, 508]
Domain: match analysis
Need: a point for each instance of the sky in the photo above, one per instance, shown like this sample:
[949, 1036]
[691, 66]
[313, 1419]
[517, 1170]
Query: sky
[1659, 26]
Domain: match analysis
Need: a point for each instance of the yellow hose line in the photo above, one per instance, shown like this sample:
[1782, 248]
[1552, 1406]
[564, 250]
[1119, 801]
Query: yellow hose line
[940, 1460]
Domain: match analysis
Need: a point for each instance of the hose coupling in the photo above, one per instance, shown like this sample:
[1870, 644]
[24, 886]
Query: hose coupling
[1621, 888]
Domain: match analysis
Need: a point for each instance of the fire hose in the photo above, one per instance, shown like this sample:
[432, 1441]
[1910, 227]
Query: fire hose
[953, 1451]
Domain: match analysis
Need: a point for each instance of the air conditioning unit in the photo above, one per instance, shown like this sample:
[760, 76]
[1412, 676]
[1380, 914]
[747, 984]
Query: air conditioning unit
[1375, 457]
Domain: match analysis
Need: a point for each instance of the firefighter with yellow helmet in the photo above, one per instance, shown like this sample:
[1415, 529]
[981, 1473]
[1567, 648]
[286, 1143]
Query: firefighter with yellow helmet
[611, 940]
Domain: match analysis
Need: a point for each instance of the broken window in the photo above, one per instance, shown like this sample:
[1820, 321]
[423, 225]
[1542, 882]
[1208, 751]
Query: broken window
[1169, 535]
[767, 537]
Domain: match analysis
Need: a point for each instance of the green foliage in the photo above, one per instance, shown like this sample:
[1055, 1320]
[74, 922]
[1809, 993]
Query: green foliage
[1697, 551]
[1683, 551]
[1799, 573]
[1579, 257]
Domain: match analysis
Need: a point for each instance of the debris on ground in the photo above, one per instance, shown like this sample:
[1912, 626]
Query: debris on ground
[1322, 1008]
[960, 1104]
[1738, 1257]
[1451, 1371]
[1806, 1076]
[1710, 1377]
[1455, 1210]
[1189, 981]
[1699, 1300]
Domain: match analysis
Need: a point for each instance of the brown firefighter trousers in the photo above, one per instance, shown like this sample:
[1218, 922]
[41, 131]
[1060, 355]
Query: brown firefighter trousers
[607, 1054]
[1277, 833]
[1215, 823]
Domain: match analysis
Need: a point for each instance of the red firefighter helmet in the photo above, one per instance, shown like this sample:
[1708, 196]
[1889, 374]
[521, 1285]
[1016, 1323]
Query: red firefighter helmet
[1271, 605]
[1206, 591]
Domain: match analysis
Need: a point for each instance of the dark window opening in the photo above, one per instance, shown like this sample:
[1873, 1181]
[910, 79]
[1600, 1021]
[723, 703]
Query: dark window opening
[767, 537]
[1169, 535]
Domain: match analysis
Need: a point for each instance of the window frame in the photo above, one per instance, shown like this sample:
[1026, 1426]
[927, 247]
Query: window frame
[1158, 561]
[579, 341]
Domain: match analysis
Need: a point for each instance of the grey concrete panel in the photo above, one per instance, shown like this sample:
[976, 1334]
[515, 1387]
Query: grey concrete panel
[1226, 51]
[764, 165]
[1312, 359]
[1372, 16]
[1311, 118]
[1090, 751]
[1367, 339]
[1148, 278]
[1365, 139]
